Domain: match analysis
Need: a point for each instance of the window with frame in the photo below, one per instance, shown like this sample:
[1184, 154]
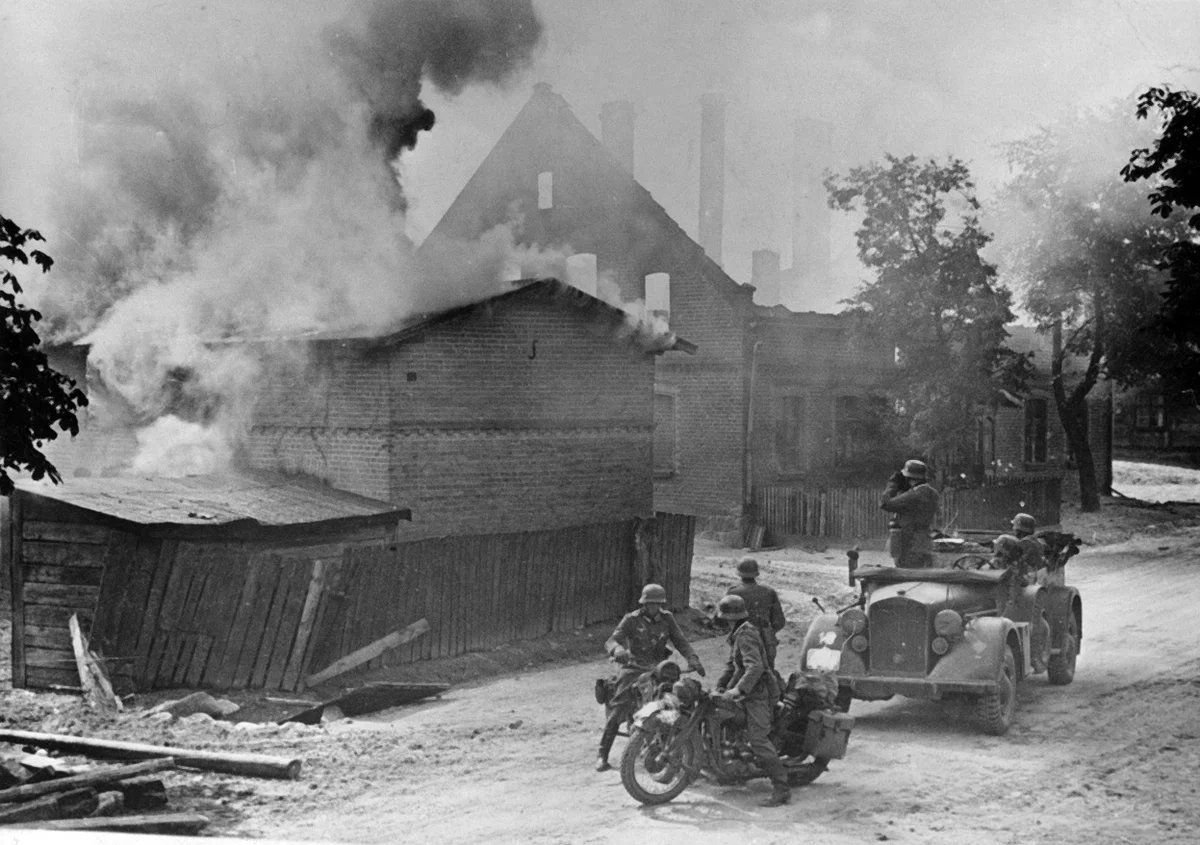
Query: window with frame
[790, 441]
[664, 434]
[856, 426]
[1036, 430]
[1150, 412]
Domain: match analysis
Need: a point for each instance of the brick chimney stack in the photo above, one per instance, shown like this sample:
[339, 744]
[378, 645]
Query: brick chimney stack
[616, 131]
[712, 174]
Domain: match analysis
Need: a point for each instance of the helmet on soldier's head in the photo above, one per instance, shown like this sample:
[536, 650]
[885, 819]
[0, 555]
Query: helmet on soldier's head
[653, 594]
[1024, 522]
[915, 469]
[748, 566]
[732, 607]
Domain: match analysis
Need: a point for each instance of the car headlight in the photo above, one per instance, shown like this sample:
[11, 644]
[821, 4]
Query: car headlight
[853, 621]
[940, 645]
[948, 623]
[859, 643]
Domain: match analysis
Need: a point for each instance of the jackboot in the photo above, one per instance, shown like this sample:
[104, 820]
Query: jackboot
[602, 764]
[779, 795]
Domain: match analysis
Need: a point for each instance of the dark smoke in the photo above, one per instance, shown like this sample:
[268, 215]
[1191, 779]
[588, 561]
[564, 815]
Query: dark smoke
[450, 42]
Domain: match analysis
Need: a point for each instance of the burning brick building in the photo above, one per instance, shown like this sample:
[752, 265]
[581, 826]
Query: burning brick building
[760, 400]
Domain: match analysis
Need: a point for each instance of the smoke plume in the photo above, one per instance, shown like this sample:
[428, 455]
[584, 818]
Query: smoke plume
[259, 200]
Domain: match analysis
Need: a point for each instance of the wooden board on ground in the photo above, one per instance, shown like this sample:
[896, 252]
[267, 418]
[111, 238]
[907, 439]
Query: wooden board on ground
[369, 698]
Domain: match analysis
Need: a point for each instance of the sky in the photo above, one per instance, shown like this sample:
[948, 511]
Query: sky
[958, 77]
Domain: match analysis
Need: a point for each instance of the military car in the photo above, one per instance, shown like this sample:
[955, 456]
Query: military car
[968, 631]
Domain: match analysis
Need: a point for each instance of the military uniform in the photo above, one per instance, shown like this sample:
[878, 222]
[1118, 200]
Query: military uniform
[766, 612]
[648, 642]
[748, 673]
[914, 509]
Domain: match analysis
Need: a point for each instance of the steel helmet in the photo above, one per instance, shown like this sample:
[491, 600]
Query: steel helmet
[915, 469]
[653, 594]
[1024, 522]
[748, 566]
[732, 607]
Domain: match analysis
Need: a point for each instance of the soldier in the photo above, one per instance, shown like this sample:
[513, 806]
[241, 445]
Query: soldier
[640, 642]
[763, 605]
[914, 502]
[748, 680]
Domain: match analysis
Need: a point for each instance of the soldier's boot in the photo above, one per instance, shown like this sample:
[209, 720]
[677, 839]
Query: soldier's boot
[780, 795]
[602, 764]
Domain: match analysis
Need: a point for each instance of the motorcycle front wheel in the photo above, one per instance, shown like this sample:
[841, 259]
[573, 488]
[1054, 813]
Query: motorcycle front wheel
[648, 774]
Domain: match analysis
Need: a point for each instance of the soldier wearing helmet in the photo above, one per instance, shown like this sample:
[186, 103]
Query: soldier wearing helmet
[763, 605]
[641, 640]
[1033, 554]
[914, 504]
[749, 681]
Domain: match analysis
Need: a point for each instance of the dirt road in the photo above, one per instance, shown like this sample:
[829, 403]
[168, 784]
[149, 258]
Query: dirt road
[1110, 758]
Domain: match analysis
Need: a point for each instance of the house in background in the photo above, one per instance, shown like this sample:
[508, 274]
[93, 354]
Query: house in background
[767, 393]
[1150, 424]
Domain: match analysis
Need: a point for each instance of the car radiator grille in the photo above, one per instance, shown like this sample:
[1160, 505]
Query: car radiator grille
[899, 637]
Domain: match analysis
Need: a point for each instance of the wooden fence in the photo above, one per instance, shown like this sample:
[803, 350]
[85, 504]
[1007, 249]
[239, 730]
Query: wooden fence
[854, 512]
[171, 612]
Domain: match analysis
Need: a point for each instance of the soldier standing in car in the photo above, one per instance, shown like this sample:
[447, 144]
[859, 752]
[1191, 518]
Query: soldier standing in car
[910, 544]
[763, 605]
[749, 681]
[639, 642]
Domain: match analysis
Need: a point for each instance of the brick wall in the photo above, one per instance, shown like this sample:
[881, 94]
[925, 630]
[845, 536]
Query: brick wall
[527, 413]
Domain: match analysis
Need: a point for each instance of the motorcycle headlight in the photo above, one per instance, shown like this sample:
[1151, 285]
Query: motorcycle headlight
[853, 621]
[948, 623]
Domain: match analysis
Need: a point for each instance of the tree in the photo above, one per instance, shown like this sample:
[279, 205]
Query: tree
[933, 299]
[1173, 164]
[34, 398]
[1082, 248]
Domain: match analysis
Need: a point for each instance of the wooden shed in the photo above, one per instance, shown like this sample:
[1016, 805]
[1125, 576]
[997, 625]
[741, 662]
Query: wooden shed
[213, 581]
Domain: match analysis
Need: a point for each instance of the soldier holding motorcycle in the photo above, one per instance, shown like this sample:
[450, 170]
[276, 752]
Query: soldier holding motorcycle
[641, 640]
[749, 680]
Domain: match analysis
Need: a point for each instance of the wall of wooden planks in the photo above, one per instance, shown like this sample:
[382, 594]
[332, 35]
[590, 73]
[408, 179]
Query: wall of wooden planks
[221, 614]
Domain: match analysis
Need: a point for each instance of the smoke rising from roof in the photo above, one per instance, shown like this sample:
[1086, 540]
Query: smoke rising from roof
[450, 43]
[250, 189]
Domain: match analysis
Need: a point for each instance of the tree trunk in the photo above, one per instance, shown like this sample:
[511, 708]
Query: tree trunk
[1075, 426]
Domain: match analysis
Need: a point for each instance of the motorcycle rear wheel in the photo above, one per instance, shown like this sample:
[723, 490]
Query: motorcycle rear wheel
[647, 774]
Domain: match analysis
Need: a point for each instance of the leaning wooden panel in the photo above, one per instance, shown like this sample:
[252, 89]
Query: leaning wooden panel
[297, 573]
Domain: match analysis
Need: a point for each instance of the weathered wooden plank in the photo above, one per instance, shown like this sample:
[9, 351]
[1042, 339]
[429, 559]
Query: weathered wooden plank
[75, 596]
[43, 677]
[64, 532]
[368, 652]
[297, 575]
[270, 625]
[294, 666]
[224, 669]
[43, 552]
[153, 565]
[54, 574]
[265, 575]
[201, 654]
[47, 636]
[13, 542]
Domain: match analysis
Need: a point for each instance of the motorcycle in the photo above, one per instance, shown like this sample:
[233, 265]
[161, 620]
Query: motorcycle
[689, 732]
[653, 682]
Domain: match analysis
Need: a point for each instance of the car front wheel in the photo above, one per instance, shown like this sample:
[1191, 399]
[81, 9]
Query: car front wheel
[997, 709]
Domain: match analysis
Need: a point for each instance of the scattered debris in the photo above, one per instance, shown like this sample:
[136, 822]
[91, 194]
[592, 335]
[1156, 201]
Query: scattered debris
[368, 652]
[369, 698]
[96, 688]
[254, 765]
[197, 702]
[94, 792]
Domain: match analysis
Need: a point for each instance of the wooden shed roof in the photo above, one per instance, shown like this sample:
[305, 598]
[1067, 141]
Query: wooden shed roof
[244, 500]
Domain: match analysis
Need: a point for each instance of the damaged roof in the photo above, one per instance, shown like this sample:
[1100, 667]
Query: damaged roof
[224, 503]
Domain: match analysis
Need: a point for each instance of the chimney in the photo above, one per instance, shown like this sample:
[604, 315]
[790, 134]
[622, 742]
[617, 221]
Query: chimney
[810, 207]
[616, 131]
[581, 272]
[764, 276]
[658, 296]
[712, 173]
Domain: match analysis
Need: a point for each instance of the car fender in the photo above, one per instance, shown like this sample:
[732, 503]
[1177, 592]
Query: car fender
[979, 655]
[1061, 602]
[824, 632]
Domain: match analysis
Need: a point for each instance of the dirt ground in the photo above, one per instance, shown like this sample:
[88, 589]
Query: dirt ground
[507, 758]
